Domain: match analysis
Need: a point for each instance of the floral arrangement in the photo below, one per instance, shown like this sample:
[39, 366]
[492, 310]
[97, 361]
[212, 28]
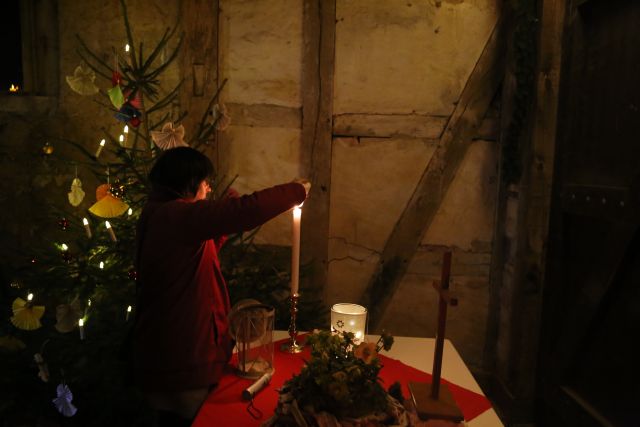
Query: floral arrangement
[339, 385]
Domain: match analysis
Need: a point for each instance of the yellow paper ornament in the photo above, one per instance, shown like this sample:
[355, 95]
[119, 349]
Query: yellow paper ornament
[108, 207]
[26, 315]
[11, 343]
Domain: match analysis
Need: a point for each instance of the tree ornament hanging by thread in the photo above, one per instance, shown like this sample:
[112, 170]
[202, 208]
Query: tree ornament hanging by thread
[67, 316]
[11, 343]
[169, 137]
[107, 206]
[43, 368]
[47, 149]
[26, 316]
[221, 117]
[76, 193]
[116, 96]
[63, 223]
[82, 81]
[63, 401]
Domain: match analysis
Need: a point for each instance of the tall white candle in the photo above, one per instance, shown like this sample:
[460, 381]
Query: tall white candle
[85, 222]
[295, 250]
[110, 230]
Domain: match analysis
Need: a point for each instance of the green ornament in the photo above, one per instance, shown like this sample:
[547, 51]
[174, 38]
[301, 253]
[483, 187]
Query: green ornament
[116, 96]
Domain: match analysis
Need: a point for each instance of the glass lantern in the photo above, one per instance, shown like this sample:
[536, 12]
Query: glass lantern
[347, 317]
[251, 326]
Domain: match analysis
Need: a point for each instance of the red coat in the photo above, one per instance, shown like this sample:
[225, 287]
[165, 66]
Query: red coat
[181, 338]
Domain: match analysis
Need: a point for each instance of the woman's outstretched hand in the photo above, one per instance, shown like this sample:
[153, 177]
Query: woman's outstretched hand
[305, 183]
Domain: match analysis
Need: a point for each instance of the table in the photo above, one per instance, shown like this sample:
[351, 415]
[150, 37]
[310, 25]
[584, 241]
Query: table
[224, 406]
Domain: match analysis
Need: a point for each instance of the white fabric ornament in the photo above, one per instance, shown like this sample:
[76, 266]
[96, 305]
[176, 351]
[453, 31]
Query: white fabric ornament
[82, 81]
[76, 195]
[169, 137]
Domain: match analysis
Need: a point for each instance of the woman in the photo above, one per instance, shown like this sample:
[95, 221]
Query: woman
[181, 338]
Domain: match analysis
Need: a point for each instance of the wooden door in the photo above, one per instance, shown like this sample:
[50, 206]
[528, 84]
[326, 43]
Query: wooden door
[589, 369]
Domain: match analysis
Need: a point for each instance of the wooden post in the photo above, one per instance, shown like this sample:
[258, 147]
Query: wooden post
[199, 59]
[319, 29]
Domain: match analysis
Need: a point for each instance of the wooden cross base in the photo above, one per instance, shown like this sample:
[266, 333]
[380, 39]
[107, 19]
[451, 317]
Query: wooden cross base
[443, 408]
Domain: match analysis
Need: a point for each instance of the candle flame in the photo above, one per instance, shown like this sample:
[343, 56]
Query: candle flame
[101, 265]
[85, 221]
[130, 212]
[121, 139]
[14, 88]
[103, 142]
[80, 322]
[64, 247]
[29, 297]
[126, 47]
[129, 309]
[126, 129]
[107, 224]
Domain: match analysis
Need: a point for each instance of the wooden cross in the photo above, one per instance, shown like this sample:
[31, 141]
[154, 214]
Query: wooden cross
[434, 401]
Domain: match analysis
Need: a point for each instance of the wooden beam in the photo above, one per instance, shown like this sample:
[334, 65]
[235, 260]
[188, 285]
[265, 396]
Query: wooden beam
[436, 178]
[199, 59]
[389, 125]
[318, 58]
[536, 186]
[264, 115]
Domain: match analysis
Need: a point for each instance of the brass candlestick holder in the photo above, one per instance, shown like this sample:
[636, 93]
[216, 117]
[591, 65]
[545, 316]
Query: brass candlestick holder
[292, 346]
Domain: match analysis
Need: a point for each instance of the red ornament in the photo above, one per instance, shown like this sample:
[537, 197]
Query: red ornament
[116, 78]
[135, 122]
[63, 223]
[135, 101]
[133, 274]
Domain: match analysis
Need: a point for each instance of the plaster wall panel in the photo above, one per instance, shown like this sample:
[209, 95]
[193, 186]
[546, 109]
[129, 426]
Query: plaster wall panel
[371, 182]
[261, 51]
[414, 312]
[263, 157]
[407, 56]
[466, 215]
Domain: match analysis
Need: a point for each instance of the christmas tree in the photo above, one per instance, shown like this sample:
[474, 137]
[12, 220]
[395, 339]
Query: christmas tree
[72, 304]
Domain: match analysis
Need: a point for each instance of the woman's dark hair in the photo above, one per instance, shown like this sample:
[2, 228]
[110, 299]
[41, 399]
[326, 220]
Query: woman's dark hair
[180, 171]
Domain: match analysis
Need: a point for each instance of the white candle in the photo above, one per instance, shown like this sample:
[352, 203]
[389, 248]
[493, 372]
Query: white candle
[100, 147]
[295, 250]
[128, 314]
[81, 328]
[85, 222]
[110, 230]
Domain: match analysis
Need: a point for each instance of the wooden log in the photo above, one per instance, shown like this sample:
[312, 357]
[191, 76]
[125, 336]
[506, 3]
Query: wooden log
[199, 59]
[264, 115]
[317, 101]
[423, 205]
[389, 125]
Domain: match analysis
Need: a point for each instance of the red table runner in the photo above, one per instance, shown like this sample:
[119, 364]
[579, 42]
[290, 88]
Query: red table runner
[225, 407]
